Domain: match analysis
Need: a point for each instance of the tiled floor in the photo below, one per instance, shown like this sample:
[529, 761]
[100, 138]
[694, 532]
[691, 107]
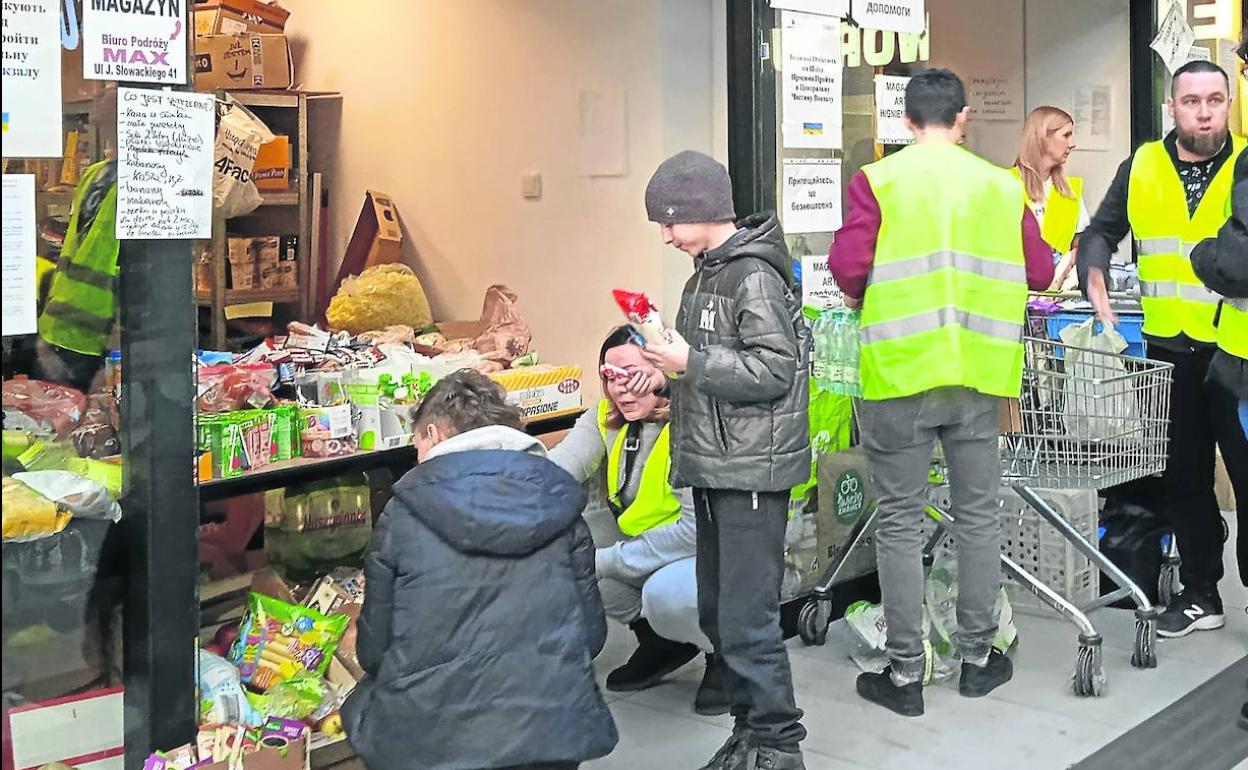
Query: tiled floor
[1032, 723]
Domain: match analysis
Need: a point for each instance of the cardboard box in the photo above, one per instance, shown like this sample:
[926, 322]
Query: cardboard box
[377, 235]
[272, 169]
[237, 17]
[542, 391]
[242, 62]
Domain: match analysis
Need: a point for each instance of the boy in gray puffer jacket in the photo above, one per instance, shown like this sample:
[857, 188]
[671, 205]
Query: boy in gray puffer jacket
[740, 438]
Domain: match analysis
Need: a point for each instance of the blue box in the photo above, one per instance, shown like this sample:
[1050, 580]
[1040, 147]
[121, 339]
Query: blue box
[1130, 326]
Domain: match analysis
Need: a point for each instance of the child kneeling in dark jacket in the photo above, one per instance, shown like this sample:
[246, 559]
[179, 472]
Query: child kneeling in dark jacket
[481, 614]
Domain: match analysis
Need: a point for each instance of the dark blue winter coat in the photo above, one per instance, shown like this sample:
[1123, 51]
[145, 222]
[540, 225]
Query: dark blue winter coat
[481, 616]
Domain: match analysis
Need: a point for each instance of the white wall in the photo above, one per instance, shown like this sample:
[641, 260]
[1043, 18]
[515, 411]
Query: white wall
[446, 105]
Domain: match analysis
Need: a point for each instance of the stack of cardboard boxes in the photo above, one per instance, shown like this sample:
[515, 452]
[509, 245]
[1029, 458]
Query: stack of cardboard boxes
[241, 44]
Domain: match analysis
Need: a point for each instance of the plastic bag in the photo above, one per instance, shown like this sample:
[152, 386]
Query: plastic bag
[221, 696]
[278, 641]
[44, 408]
[1100, 403]
[231, 387]
[866, 640]
[381, 296]
[298, 697]
[940, 604]
[507, 335]
[239, 136]
[82, 497]
[29, 515]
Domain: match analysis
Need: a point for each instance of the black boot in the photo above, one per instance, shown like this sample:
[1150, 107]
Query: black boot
[654, 658]
[713, 697]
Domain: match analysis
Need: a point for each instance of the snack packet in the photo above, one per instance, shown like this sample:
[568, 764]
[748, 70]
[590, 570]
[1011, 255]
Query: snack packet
[278, 641]
[222, 700]
[643, 316]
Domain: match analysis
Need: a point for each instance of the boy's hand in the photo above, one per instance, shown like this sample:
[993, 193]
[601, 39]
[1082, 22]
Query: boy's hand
[672, 358]
[853, 303]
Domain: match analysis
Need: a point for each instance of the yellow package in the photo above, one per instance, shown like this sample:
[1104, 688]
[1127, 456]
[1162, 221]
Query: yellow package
[29, 515]
[381, 296]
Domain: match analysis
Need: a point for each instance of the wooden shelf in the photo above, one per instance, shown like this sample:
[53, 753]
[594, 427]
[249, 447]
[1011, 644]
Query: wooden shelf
[280, 198]
[243, 296]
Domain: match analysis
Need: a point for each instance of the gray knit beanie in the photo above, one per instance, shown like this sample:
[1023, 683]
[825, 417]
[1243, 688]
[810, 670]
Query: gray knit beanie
[689, 187]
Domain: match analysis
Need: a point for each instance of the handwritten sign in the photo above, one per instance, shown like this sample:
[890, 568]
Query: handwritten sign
[995, 98]
[164, 172]
[1174, 38]
[32, 79]
[890, 110]
[139, 42]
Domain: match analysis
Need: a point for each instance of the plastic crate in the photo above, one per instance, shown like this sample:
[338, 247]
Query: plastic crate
[1040, 549]
[1130, 326]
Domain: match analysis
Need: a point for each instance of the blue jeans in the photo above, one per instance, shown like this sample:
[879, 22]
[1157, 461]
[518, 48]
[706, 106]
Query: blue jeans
[1243, 416]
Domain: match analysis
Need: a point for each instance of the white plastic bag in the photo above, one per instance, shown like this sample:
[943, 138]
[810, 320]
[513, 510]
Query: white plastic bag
[1099, 402]
[239, 136]
[867, 635]
[941, 602]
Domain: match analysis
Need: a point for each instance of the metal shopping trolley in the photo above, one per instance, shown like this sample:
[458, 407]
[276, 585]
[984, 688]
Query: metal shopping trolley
[1086, 419]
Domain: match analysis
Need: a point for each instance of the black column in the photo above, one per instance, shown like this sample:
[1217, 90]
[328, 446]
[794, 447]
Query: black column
[751, 106]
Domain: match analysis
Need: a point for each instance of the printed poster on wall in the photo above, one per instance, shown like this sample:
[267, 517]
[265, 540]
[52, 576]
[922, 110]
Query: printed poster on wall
[164, 164]
[31, 88]
[891, 15]
[139, 42]
[19, 286]
[1092, 108]
[995, 98]
[890, 110]
[811, 195]
[1174, 38]
[822, 7]
[819, 289]
[812, 75]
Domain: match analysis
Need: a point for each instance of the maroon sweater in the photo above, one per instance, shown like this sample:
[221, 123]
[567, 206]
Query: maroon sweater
[853, 252]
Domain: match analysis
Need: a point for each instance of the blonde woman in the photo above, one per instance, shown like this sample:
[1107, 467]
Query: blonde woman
[1055, 198]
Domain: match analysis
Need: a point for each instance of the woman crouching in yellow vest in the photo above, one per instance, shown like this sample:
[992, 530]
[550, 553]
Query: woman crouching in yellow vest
[1055, 199]
[646, 547]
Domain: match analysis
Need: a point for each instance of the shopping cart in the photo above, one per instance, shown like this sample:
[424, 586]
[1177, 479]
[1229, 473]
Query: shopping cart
[1086, 419]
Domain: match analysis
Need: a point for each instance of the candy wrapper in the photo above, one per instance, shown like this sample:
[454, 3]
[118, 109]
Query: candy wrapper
[643, 316]
[279, 641]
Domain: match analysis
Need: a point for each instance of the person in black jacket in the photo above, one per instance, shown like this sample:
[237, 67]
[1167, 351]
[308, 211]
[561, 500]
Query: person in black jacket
[481, 615]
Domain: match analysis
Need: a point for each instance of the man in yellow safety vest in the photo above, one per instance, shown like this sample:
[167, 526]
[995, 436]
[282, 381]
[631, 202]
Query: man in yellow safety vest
[939, 250]
[1170, 195]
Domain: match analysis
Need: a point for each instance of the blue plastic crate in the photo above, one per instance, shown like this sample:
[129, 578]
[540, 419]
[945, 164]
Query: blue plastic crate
[1130, 326]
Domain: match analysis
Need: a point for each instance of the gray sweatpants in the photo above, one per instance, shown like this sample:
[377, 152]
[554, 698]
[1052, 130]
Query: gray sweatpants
[899, 436]
[667, 598]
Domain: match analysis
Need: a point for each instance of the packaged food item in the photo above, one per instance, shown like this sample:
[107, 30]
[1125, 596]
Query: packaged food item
[267, 250]
[221, 696]
[507, 335]
[44, 408]
[643, 316]
[82, 497]
[313, 528]
[239, 441]
[272, 168]
[29, 515]
[279, 641]
[230, 387]
[380, 296]
[295, 698]
[613, 373]
[288, 261]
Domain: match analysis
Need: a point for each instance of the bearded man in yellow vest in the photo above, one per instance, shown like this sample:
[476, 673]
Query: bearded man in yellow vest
[939, 249]
[645, 550]
[1222, 264]
[1170, 195]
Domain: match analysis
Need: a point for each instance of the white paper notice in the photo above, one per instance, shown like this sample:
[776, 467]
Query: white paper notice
[890, 110]
[1092, 108]
[32, 79]
[823, 7]
[139, 42]
[812, 196]
[819, 288]
[812, 78]
[19, 288]
[1174, 38]
[995, 98]
[891, 15]
[164, 172]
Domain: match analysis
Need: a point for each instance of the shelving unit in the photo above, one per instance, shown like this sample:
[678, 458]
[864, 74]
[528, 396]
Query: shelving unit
[284, 212]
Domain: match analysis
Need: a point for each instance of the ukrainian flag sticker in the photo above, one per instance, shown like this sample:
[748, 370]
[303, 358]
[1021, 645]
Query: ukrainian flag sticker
[812, 129]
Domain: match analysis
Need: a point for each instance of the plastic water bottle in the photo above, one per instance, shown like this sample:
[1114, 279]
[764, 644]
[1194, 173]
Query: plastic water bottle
[842, 367]
[823, 357]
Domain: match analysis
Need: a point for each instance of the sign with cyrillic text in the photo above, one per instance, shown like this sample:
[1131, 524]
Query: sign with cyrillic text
[812, 196]
[891, 15]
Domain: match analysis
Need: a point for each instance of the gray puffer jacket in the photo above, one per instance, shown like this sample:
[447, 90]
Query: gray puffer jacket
[739, 412]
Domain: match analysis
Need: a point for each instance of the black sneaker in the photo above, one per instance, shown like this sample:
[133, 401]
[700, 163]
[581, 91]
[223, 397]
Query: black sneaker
[732, 754]
[906, 700]
[978, 681]
[1190, 611]
[654, 658]
[767, 758]
[713, 698]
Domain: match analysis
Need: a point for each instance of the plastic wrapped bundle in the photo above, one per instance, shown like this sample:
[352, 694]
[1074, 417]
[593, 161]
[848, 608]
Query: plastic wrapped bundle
[381, 296]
